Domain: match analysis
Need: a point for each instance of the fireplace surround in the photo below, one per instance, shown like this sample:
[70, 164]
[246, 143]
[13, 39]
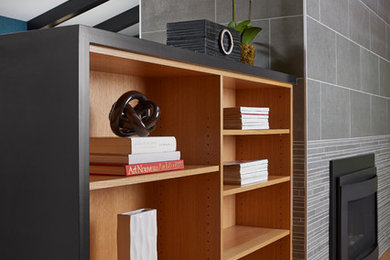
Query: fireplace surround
[353, 208]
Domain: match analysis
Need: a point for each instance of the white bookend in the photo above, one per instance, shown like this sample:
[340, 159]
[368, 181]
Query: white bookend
[137, 235]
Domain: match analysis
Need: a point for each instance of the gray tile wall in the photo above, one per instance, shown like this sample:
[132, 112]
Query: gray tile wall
[348, 103]
[279, 45]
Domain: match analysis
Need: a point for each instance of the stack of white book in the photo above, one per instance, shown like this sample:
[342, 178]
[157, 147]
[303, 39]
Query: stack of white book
[245, 172]
[246, 118]
[133, 156]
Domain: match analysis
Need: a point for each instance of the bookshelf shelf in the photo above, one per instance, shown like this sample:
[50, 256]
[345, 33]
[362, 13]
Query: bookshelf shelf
[272, 180]
[98, 182]
[240, 241]
[256, 132]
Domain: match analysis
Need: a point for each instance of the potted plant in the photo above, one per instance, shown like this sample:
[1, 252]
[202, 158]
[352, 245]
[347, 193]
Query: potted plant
[248, 34]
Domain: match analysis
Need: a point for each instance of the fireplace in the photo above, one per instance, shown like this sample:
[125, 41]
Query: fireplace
[353, 227]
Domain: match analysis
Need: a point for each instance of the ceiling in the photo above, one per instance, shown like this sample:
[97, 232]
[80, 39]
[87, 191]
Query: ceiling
[26, 10]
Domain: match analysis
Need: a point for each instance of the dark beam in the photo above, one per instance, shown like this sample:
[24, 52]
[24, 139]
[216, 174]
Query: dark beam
[62, 13]
[121, 21]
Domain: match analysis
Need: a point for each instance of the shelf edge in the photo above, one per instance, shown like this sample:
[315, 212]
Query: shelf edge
[240, 189]
[255, 132]
[112, 182]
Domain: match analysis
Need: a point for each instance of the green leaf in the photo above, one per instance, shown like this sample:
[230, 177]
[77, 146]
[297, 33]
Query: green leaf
[242, 26]
[249, 35]
[232, 25]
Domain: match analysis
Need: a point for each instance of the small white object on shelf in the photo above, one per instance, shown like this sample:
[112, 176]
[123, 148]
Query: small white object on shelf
[137, 235]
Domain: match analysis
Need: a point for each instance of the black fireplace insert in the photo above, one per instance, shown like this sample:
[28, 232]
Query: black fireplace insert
[353, 230]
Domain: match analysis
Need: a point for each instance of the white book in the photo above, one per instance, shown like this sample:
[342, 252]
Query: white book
[250, 127]
[245, 163]
[237, 175]
[245, 117]
[153, 144]
[259, 177]
[245, 110]
[246, 120]
[243, 167]
[263, 122]
[133, 145]
[134, 158]
[249, 170]
[137, 235]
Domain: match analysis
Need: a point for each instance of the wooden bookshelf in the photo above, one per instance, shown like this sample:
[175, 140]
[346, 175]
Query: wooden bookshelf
[240, 241]
[226, 221]
[198, 217]
[192, 99]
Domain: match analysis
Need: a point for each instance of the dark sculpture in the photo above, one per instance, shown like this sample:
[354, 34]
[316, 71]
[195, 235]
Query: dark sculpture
[126, 120]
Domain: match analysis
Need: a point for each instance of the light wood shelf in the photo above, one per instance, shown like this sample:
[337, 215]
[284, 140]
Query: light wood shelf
[256, 132]
[98, 182]
[240, 241]
[272, 180]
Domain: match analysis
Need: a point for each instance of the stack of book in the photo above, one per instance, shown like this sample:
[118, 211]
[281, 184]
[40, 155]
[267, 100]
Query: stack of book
[246, 118]
[245, 172]
[133, 156]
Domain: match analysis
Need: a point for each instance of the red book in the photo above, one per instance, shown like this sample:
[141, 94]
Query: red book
[135, 169]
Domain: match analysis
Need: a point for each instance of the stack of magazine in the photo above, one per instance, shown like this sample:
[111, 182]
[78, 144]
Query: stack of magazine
[245, 172]
[246, 118]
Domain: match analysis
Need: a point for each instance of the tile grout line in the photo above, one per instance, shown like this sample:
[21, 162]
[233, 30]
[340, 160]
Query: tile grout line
[328, 141]
[277, 17]
[272, 18]
[361, 46]
[351, 89]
